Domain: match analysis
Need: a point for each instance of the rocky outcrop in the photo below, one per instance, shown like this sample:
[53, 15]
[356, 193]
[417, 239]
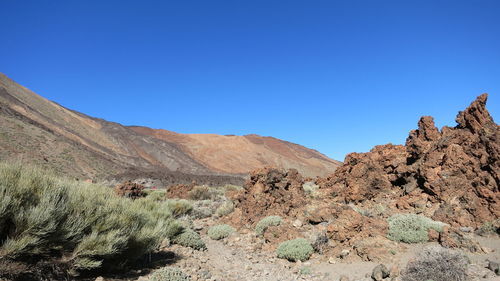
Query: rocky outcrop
[364, 175]
[179, 191]
[456, 168]
[130, 190]
[269, 191]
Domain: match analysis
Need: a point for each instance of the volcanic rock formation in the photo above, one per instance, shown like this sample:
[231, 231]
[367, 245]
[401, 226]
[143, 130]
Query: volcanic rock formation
[454, 170]
[269, 191]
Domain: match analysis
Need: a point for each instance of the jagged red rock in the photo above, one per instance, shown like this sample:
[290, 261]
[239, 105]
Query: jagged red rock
[457, 168]
[269, 191]
[130, 189]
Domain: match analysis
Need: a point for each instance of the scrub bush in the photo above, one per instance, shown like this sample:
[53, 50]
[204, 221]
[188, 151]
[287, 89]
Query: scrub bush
[169, 274]
[201, 193]
[179, 207]
[295, 250]
[437, 264]
[411, 228]
[43, 215]
[266, 222]
[220, 231]
[225, 209]
[189, 238]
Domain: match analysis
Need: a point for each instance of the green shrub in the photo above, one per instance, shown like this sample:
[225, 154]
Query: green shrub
[179, 207]
[411, 228]
[220, 231]
[201, 193]
[169, 274]
[203, 209]
[156, 194]
[438, 264]
[225, 209]
[295, 250]
[305, 270]
[266, 222]
[310, 188]
[189, 238]
[42, 215]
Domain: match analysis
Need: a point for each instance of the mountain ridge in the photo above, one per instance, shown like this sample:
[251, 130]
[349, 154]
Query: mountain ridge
[39, 131]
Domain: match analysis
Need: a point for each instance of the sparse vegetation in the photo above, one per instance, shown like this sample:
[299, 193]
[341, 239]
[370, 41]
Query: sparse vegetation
[179, 207]
[189, 238]
[201, 193]
[220, 231]
[411, 228]
[295, 250]
[156, 194]
[169, 274]
[437, 264]
[232, 187]
[489, 228]
[225, 209]
[320, 242]
[310, 188]
[266, 222]
[44, 215]
[305, 270]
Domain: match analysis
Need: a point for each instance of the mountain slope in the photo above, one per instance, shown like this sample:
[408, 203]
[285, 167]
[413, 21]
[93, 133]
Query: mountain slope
[242, 154]
[36, 130]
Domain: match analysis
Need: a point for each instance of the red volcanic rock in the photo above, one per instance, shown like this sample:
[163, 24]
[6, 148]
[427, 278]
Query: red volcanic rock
[457, 168]
[363, 175]
[130, 190]
[269, 191]
[180, 191]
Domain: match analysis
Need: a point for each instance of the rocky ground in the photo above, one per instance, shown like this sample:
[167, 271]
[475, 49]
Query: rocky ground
[243, 256]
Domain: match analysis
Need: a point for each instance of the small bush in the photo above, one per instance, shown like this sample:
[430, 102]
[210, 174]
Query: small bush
[189, 238]
[310, 188]
[203, 209]
[232, 187]
[266, 222]
[489, 228]
[411, 228]
[156, 194]
[169, 274]
[320, 242]
[376, 211]
[305, 270]
[220, 231]
[179, 207]
[437, 264]
[295, 250]
[201, 213]
[225, 209]
[201, 193]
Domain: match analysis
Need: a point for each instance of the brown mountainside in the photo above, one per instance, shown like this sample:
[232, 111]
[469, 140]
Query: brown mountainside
[242, 154]
[36, 130]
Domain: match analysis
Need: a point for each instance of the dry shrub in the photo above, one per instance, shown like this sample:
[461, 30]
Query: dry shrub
[438, 264]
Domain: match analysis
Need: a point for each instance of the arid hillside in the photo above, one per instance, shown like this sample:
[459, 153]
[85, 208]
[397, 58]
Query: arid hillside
[36, 130]
[242, 154]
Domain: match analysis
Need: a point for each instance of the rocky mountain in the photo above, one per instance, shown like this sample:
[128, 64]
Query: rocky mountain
[242, 154]
[36, 130]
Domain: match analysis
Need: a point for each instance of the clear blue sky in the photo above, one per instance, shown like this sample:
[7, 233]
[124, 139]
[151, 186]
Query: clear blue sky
[336, 76]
